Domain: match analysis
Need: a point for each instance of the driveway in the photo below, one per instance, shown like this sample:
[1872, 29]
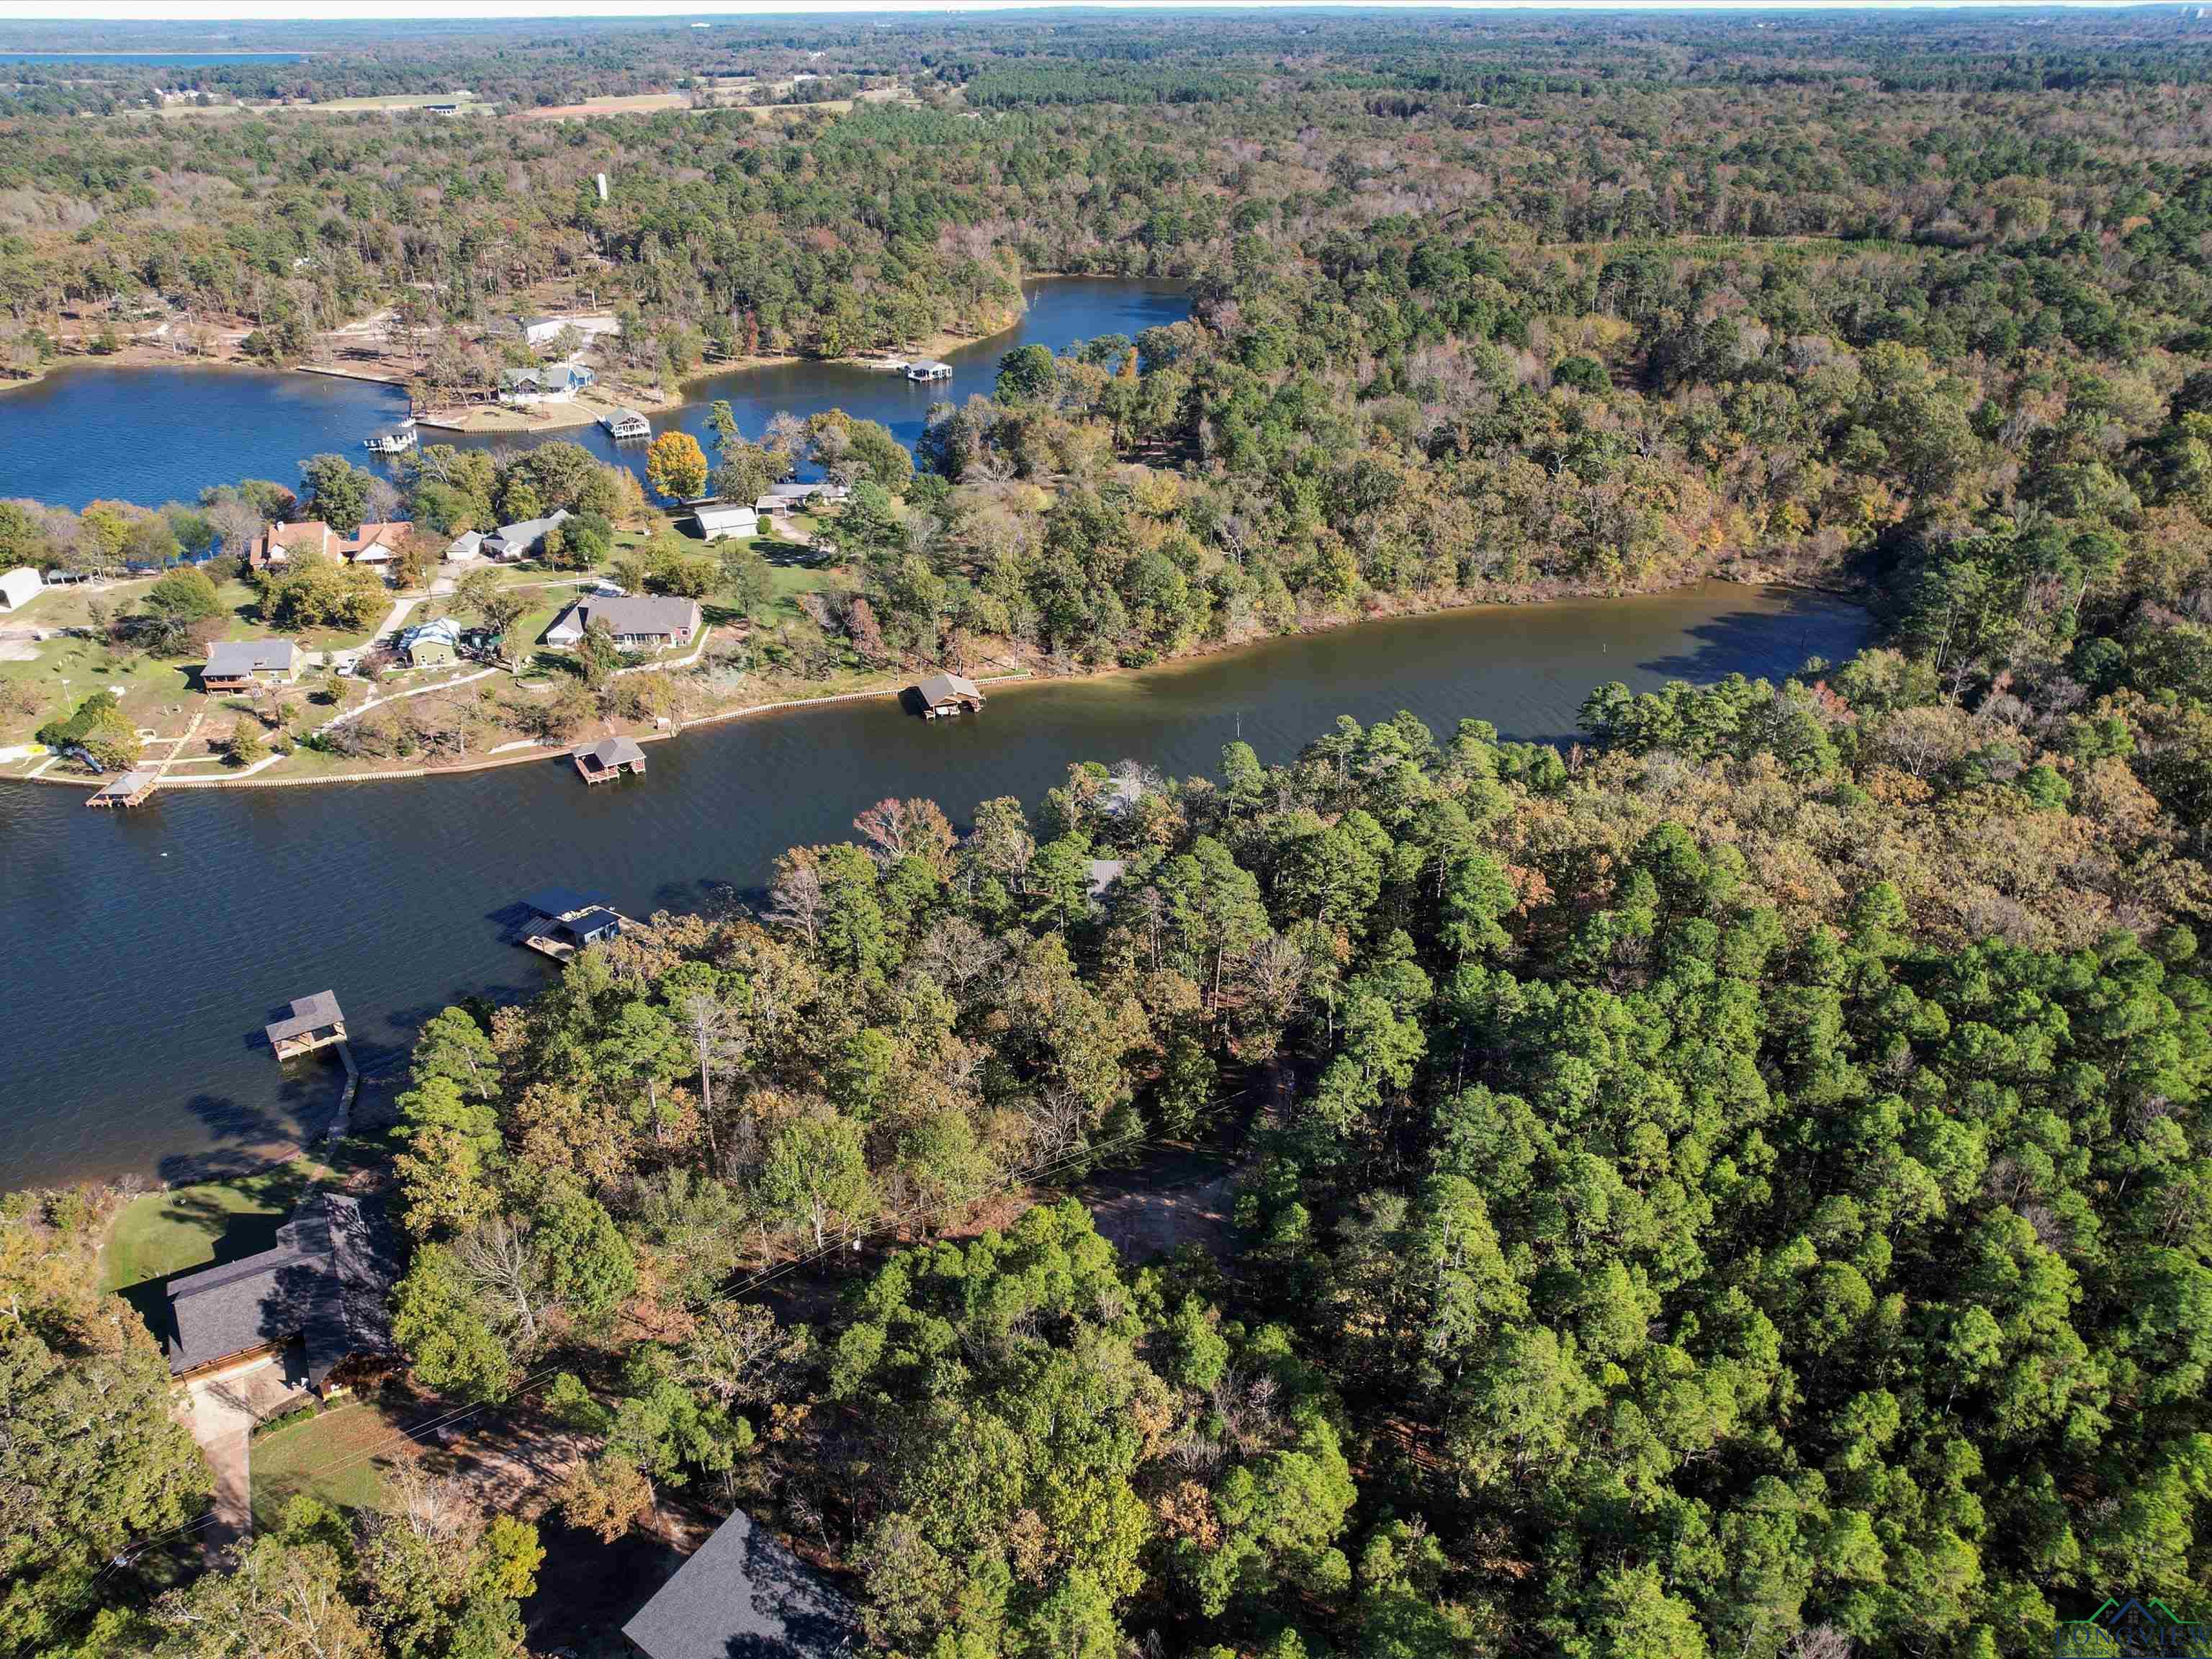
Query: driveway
[224, 1409]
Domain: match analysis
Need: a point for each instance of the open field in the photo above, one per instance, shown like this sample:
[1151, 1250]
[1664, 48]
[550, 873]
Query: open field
[622, 104]
[401, 101]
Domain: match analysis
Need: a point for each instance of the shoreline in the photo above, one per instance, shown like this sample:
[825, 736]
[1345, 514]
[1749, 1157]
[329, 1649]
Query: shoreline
[138, 354]
[893, 686]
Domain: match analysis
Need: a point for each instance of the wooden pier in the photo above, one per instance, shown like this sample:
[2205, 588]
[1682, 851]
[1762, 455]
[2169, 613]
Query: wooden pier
[129, 790]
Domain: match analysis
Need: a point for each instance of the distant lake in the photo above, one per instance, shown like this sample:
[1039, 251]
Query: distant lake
[181, 59]
[154, 435]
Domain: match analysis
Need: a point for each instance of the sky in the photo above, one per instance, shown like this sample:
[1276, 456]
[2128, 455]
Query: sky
[271, 11]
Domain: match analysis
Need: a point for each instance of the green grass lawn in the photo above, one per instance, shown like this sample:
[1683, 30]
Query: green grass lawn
[65, 672]
[158, 1234]
[326, 1457]
[788, 581]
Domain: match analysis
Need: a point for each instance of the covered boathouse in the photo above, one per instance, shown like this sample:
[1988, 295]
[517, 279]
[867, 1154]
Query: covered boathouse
[943, 695]
[315, 1022]
[609, 758]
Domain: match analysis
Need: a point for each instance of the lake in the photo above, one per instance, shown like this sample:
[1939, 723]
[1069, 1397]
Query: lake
[161, 433]
[147, 949]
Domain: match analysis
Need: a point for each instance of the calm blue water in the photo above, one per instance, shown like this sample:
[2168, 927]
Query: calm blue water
[95, 431]
[149, 435]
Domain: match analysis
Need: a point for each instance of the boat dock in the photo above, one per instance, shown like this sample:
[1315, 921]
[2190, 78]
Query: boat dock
[626, 424]
[315, 1022]
[393, 440]
[927, 370]
[130, 789]
[944, 696]
[565, 921]
[610, 758]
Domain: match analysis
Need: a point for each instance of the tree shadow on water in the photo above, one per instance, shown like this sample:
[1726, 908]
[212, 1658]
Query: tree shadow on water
[1756, 643]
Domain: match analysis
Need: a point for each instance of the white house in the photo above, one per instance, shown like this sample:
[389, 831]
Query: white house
[720, 523]
[19, 588]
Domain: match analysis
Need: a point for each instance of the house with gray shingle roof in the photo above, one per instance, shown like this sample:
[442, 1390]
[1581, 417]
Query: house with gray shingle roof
[235, 665]
[743, 1592]
[323, 1285]
[641, 622]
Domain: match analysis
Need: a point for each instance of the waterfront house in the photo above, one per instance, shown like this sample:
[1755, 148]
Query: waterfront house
[945, 695]
[719, 523]
[429, 645]
[512, 542]
[241, 664]
[642, 623]
[627, 424]
[609, 758]
[323, 1285]
[18, 587]
[315, 1022]
[554, 383]
[744, 1592]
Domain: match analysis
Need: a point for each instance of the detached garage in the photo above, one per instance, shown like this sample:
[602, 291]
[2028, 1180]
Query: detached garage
[720, 523]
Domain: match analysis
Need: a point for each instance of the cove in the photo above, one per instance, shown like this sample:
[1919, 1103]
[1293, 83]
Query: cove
[151, 434]
[147, 949]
